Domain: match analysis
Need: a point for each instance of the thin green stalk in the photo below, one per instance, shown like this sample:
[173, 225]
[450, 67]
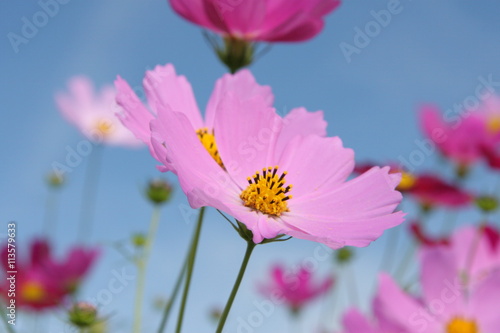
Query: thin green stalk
[225, 313]
[89, 194]
[141, 263]
[50, 217]
[171, 300]
[189, 268]
[8, 326]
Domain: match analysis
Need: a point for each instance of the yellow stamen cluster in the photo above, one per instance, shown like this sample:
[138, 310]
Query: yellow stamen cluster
[461, 325]
[493, 124]
[407, 181]
[208, 141]
[104, 127]
[32, 291]
[266, 192]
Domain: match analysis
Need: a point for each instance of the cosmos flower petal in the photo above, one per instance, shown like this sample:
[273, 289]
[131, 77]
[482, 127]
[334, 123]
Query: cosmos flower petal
[164, 87]
[242, 85]
[314, 164]
[201, 178]
[484, 303]
[246, 137]
[300, 122]
[353, 213]
[355, 322]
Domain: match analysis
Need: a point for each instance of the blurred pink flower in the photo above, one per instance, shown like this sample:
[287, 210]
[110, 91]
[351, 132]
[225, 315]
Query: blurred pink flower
[447, 304]
[42, 281]
[425, 239]
[264, 156]
[258, 20]
[295, 288]
[94, 114]
[167, 90]
[463, 138]
[354, 321]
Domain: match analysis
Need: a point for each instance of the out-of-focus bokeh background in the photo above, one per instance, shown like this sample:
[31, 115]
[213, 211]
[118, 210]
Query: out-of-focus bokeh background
[429, 51]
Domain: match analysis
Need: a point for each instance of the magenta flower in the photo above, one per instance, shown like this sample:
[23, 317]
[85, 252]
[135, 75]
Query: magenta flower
[167, 90]
[294, 288]
[94, 113]
[463, 139]
[258, 20]
[43, 282]
[447, 304]
[274, 178]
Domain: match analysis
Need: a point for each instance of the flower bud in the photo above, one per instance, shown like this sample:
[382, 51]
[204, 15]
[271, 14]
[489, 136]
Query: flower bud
[83, 315]
[139, 240]
[487, 204]
[159, 191]
[55, 179]
[344, 255]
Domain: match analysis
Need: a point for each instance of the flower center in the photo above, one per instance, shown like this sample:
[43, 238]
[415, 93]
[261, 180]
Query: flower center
[493, 124]
[461, 325]
[407, 181]
[267, 192]
[33, 292]
[208, 141]
[104, 127]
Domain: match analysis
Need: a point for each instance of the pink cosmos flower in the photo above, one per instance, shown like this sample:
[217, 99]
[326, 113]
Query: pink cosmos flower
[167, 90]
[294, 288]
[43, 282]
[446, 305]
[463, 139]
[94, 113]
[354, 321]
[273, 177]
[258, 20]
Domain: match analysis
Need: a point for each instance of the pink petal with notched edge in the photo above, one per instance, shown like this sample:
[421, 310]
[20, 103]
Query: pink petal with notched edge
[246, 133]
[201, 178]
[355, 322]
[164, 87]
[352, 213]
[242, 85]
[135, 116]
[300, 122]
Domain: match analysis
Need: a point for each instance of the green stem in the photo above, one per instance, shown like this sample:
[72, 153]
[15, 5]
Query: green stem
[141, 268]
[89, 194]
[171, 300]
[49, 221]
[8, 326]
[189, 268]
[248, 252]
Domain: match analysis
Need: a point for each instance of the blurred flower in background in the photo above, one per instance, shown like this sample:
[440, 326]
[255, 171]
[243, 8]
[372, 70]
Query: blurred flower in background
[94, 114]
[295, 289]
[42, 281]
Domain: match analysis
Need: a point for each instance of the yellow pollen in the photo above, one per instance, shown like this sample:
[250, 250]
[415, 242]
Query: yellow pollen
[32, 292]
[461, 325]
[208, 141]
[407, 181]
[266, 192]
[493, 124]
[104, 127]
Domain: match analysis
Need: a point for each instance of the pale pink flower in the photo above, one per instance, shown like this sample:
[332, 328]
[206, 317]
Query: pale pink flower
[167, 90]
[258, 20]
[93, 113]
[273, 177]
[354, 321]
[294, 288]
[447, 304]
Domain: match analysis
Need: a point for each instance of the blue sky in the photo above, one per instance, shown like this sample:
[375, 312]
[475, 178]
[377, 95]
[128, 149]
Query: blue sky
[429, 52]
